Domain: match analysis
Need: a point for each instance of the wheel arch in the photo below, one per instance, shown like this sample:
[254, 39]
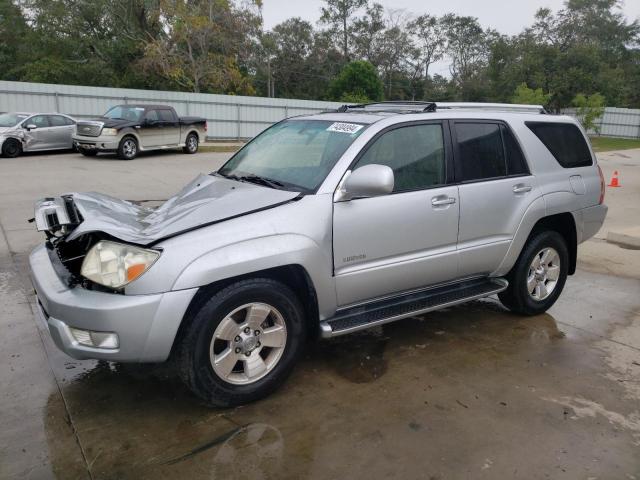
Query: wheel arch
[294, 276]
[565, 225]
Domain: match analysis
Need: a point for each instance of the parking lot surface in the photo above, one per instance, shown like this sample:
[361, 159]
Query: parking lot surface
[468, 392]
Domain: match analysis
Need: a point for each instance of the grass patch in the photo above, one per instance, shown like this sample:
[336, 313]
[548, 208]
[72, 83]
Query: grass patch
[604, 144]
[218, 148]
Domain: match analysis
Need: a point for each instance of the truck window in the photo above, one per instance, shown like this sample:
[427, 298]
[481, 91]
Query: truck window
[564, 141]
[166, 115]
[152, 115]
[480, 151]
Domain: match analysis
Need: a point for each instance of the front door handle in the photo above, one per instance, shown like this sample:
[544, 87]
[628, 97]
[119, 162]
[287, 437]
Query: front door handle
[442, 200]
[522, 188]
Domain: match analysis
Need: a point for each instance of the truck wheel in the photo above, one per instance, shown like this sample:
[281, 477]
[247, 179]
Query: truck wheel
[88, 153]
[128, 148]
[539, 275]
[11, 148]
[242, 343]
[191, 144]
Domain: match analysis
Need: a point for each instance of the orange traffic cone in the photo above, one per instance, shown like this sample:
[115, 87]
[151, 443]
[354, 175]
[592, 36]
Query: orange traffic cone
[614, 180]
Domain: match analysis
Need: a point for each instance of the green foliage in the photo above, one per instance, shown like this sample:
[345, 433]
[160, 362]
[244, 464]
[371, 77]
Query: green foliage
[220, 46]
[589, 109]
[358, 79]
[528, 96]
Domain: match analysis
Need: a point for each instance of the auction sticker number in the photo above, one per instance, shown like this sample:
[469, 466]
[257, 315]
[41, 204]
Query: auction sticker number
[344, 127]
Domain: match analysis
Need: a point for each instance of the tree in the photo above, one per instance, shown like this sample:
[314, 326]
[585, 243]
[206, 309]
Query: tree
[201, 45]
[338, 14]
[467, 48]
[589, 109]
[528, 96]
[430, 39]
[358, 79]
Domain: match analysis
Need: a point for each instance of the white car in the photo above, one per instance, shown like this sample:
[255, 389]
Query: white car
[33, 132]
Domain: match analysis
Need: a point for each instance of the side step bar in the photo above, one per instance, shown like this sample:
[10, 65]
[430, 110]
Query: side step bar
[369, 315]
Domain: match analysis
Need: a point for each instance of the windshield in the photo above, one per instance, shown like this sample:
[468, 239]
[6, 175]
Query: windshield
[11, 119]
[297, 154]
[124, 112]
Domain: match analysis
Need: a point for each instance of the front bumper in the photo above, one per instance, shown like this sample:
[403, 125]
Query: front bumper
[103, 143]
[146, 325]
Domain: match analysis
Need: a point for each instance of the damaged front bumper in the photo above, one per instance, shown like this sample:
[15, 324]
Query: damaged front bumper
[144, 326]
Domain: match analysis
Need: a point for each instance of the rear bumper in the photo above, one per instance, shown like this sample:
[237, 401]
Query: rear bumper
[590, 221]
[146, 325]
[100, 144]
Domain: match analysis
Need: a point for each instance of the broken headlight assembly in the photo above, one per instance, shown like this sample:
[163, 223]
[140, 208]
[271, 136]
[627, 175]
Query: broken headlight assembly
[115, 265]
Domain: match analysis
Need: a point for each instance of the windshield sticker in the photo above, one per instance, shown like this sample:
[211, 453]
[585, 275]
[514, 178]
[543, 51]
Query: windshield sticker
[344, 127]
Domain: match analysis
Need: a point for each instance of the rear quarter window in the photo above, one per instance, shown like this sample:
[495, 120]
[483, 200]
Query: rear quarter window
[564, 141]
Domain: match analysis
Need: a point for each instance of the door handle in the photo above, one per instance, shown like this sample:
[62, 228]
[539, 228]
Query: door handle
[522, 188]
[442, 200]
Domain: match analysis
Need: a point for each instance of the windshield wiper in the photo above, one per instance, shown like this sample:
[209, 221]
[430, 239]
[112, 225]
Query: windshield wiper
[253, 178]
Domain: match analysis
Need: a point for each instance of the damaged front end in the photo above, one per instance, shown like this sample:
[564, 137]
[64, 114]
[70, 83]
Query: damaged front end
[56, 217]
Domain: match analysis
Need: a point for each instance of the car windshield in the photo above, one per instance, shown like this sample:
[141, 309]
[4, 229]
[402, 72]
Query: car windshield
[11, 119]
[293, 154]
[124, 112]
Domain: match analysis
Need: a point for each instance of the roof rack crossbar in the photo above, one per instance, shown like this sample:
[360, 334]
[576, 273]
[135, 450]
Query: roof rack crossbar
[398, 104]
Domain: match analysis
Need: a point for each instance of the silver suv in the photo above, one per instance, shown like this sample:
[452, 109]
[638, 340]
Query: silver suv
[323, 224]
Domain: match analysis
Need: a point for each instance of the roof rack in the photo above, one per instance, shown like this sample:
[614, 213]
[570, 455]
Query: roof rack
[504, 107]
[402, 106]
[392, 106]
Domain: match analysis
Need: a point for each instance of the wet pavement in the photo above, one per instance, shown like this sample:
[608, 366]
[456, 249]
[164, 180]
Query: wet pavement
[468, 392]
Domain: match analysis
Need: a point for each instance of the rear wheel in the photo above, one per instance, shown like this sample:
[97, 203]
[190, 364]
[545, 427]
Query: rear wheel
[242, 343]
[128, 148]
[191, 144]
[11, 148]
[537, 279]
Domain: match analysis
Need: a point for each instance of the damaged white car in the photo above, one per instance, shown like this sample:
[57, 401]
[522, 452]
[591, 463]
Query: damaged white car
[33, 132]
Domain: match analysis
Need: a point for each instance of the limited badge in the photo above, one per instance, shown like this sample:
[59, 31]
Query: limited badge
[344, 127]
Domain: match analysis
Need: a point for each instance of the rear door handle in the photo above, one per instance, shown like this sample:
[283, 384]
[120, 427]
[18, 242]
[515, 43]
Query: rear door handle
[442, 200]
[522, 188]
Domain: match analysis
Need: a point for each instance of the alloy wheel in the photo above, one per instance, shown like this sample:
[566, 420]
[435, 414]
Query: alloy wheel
[248, 343]
[543, 274]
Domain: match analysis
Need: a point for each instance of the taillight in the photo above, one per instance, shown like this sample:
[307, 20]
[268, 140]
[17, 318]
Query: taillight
[602, 188]
[205, 126]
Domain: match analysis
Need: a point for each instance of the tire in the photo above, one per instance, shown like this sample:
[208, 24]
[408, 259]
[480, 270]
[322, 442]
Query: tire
[128, 148]
[242, 378]
[88, 153]
[531, 293]
[191, 144]
[11, 148]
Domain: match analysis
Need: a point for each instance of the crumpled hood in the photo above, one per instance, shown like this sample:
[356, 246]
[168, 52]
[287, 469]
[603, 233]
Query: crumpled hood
[5, 130]
[206, 200]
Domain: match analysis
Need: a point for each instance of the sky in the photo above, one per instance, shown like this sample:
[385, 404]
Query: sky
[506, 16]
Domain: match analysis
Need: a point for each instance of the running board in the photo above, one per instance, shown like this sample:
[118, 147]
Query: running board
[369, 315]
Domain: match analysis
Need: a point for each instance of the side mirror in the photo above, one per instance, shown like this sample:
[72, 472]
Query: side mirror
[368, 181]
[31, 126]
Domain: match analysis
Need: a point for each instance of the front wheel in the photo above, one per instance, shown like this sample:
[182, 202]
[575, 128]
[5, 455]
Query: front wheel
[242, 343]
[539, 275]
[11, 148]
[128, 148]
[191, 144]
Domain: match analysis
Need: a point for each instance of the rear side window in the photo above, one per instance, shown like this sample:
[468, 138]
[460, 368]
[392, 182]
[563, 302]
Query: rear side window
[58, 121]
[480, 151]
[166, 115]
[516, 164]
[565, 142]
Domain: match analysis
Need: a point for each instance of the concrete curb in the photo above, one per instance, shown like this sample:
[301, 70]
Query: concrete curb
[627, 238]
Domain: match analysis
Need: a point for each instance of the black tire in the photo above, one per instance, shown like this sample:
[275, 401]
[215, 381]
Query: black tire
[11, 148]
[517, 297]
[191, 144]
[88, 153]
[193, 352]
[128, 148]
